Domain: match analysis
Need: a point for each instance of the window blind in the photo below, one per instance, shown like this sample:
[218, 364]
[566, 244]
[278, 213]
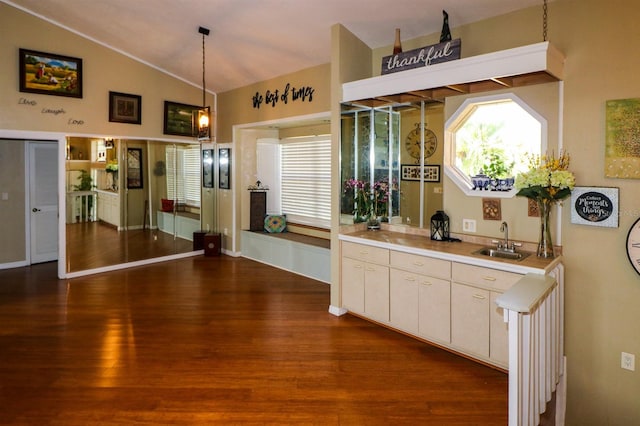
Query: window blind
[183, 175]
[306, 180]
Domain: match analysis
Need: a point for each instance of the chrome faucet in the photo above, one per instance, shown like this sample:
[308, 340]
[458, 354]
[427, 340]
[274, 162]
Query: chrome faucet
[505, 228]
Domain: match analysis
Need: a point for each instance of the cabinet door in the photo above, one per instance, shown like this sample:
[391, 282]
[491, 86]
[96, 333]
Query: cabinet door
[435, 309]
[376, 292]
[403, 300]
[498, 333]
[470, 319]
[352, 281]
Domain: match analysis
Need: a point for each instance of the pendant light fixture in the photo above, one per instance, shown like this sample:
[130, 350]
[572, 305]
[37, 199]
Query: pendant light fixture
[204, 114]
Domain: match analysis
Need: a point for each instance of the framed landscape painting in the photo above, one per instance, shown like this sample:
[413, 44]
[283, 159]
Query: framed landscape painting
[178, 119]
[50, 74]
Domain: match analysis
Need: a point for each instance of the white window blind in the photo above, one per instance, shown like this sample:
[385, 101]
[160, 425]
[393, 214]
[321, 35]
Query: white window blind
[306, 180]
[183, 175]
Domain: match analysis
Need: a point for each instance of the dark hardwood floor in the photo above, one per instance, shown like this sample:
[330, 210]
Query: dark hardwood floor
[94, 244]
[218, 340]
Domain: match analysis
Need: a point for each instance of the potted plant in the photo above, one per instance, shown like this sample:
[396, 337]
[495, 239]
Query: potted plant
[498, 171]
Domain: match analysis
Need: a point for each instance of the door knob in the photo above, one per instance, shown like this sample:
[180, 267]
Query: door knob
[35, 210]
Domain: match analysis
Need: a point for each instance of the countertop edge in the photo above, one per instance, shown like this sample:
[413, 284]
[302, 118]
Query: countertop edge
[519, 267]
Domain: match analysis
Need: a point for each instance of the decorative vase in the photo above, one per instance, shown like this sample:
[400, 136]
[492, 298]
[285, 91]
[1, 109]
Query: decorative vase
[373, 220]
[397, 45]
[545, 243]
[373, 223]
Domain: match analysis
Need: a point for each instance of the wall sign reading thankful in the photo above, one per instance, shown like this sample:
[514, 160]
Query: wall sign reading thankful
[424, 56]
[595, 206]
[304, 93]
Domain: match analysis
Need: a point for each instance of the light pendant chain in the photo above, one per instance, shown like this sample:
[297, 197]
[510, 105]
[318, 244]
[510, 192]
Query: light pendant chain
[204, 88]
[544, 20]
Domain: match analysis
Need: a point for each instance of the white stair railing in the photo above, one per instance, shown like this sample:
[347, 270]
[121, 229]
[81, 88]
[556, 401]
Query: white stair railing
[533, 309]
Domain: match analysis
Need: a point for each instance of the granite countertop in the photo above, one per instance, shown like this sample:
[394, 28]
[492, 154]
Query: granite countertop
[455, 251]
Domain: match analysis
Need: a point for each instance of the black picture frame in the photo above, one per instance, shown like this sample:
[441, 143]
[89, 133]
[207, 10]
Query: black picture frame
[134, 168]
[224, 168]
[50, 74]
[179, 119]
[125, 108]
[207, 168]
[412, 172]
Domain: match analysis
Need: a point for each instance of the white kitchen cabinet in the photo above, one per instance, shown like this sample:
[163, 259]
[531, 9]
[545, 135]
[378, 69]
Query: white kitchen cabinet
[365, 280]
[404, 303]
[420, 302]
[353, 285]
[470, 319]
[376, 292]
[109, 208]
[474, 315]
[498, 333]
[434, 297]
[441, 297]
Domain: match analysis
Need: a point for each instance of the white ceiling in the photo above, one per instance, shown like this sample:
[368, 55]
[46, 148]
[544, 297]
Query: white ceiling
[250, 40]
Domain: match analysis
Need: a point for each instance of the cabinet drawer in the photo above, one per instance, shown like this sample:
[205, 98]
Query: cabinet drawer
[367, 253]
[421, 264]
[485, 277]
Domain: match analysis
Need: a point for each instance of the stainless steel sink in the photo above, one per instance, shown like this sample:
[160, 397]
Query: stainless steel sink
[493, 252]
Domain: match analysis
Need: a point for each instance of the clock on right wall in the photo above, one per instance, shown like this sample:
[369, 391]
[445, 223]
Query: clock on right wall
[633, 245]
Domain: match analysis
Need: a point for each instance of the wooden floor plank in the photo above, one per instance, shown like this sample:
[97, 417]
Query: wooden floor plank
[218, 340]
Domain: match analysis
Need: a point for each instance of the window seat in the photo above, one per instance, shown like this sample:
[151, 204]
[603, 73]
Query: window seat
[301, 254]
[183, 225]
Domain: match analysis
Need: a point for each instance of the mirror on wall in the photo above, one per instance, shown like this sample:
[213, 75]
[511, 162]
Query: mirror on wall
[129, 200]
[382, 152]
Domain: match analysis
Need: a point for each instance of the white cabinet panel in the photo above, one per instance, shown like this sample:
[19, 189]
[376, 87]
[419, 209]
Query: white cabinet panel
[470, 319]
[435, 309]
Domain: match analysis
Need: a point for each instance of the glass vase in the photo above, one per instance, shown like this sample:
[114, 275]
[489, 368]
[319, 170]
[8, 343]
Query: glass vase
[545, 243]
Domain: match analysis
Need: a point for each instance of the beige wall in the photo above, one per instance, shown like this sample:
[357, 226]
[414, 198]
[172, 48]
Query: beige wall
[104, 70]
[240, 124]
[239, 109]
[600, 41]
[12, 210]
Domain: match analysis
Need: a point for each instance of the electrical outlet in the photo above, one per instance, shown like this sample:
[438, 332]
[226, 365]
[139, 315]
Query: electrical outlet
[468, 225]
[437, 190]
[628, 361]
[225, 231]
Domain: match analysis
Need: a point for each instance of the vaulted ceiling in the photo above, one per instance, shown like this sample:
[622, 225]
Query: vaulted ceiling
[251, 40]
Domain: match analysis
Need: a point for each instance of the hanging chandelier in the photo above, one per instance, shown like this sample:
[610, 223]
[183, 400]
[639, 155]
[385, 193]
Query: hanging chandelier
[204, 114]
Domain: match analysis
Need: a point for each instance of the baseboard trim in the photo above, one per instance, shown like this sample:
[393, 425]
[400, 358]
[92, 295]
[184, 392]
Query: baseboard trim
[334, 310]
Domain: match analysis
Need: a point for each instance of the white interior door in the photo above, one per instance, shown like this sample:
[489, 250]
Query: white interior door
[43, 201]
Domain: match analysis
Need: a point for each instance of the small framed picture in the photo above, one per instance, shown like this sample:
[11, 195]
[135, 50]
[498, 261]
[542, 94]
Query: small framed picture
[412, 172]
[595, 206]
[491, 209]
[50, 74]
[224, 171]
[179, 119]
[134, 168]
[207, 168]
[125, 108]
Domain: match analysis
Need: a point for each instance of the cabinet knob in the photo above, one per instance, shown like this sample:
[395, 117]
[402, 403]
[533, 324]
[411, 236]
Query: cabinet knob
[410, 278]
[479, 296]
[418, 264]
[489, 278]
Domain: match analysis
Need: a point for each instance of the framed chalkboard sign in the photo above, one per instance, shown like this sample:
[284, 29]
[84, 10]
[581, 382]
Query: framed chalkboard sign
[595, 206]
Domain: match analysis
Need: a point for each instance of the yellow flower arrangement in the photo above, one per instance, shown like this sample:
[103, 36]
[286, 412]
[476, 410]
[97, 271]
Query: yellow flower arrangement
[548, 179]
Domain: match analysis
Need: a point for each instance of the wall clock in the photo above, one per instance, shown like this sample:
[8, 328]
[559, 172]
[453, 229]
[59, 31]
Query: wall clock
[412, 143]
[633, 245]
